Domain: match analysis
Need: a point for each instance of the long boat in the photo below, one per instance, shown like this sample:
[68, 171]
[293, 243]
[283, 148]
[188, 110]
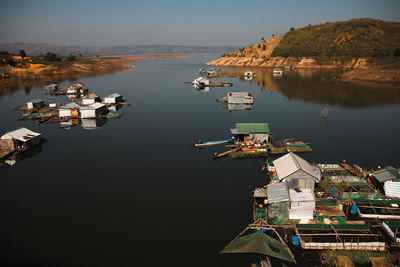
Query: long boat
[217, 142]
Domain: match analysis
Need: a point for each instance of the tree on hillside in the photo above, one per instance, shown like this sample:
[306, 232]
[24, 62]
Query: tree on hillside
[22, 53]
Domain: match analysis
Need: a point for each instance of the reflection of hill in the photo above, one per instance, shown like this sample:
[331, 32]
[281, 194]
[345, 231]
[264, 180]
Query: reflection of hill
[322, 87]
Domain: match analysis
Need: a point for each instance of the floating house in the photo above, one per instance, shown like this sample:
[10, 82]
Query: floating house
[248, 74]
[238, 98]
[201, 82]
[297, 172]
[35, 103]
[278, 200]
[69, 110]
[277, 72]
[93, 110]
[52, 87]
[251, 131]
[23, 138]
[77, 88]
[302, 204]
[379, 177]
[90, 99]
[113, 99]
[340, 236]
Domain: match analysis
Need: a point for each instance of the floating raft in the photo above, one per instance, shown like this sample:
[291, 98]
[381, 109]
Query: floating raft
[220, 84]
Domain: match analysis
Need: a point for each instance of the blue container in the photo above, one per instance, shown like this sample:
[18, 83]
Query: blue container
[295, 240]
[354, 209]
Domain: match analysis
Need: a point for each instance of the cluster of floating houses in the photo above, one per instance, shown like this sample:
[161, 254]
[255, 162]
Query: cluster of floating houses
[91, 112]
[253, 140]
[307, 209]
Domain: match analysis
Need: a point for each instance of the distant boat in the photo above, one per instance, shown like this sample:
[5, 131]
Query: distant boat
[248, 74]
[277, 72]
[211, 143]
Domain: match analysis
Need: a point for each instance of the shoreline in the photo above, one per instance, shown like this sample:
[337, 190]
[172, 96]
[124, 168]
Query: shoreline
[385, 70]
[38, 74]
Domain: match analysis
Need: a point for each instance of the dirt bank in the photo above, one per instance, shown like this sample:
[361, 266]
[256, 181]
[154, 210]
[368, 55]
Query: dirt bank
[361, 69]
[40, 74]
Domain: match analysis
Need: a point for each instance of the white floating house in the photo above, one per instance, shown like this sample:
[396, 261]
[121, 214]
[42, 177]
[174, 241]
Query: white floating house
[69, 110]
[277, 72]
[23, 138]
[113, 99]
[93, 110]
[248, 74]
[35, 103]
[90, 99]
[52, 87]
[278, 200]
[77, 88]
[201, 82]
[240, 98]
[297, 172]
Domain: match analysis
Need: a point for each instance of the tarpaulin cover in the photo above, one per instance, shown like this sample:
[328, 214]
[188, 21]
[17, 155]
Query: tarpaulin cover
[258, 242]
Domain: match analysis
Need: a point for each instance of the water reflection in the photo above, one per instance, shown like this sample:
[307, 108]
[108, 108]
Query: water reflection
[202, 88]
[91, 124]
[239, 107]
[321, 86]
[21, 155]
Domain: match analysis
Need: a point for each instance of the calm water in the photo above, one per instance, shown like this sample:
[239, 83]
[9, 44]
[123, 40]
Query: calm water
[135, 192]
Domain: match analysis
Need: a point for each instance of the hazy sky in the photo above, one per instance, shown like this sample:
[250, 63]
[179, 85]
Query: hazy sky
[186, 22]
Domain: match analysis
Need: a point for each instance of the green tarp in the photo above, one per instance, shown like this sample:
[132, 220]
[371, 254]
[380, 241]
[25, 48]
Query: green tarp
[252, 127]
[258, 242]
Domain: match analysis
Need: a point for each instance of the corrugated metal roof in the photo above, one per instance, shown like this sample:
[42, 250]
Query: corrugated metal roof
[302, 195]
[291, 163]
[386, 174]
[252, 127]
[93, 106]
[71, 105]
[22, 134]
[277, 192]
[114, 95]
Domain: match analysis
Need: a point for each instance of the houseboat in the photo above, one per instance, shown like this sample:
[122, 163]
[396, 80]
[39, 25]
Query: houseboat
[21, 139]
[238, 98]
[277, 72]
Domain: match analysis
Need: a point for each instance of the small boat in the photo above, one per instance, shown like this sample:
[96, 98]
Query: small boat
[248, 74]
[114, 115]
[277, 72]
[211, 143]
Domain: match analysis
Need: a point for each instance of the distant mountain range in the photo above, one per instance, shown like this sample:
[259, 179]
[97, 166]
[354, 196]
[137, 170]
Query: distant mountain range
[137, 50]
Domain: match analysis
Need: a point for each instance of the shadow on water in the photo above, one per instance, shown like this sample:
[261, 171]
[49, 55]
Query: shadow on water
[322, 87]
[21, 155]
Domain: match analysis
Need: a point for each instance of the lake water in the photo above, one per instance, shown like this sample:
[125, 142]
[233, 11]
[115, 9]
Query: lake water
[135, 192]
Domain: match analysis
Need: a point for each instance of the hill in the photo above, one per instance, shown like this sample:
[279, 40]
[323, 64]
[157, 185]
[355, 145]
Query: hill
[369, 48]
[36, 49]
[353, 38]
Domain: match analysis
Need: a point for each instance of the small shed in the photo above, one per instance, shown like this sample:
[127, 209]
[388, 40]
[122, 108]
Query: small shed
[93, 110]
[69, 110]
[302, 204]
[296, 171]
[253, 131]
[23, 137]
[239, 98]
[77, 88]
[90, 99]
[248, 74]
[278, 200]
[379, 177]
[35, 103]
[113, 99]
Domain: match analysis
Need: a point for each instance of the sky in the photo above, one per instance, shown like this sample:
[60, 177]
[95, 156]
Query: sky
[179, 22]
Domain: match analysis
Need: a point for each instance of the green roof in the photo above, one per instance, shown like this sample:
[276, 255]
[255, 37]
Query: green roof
[252, 127]
[258, 242]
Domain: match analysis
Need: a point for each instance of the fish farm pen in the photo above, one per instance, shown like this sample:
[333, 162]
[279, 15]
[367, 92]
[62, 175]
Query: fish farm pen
[378, 209]
[340, 236]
